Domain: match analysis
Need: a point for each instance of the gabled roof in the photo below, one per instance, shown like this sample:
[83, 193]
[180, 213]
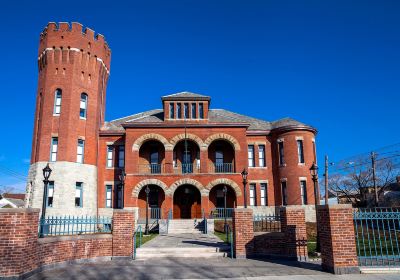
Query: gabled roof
[215, 116]
[185, 95]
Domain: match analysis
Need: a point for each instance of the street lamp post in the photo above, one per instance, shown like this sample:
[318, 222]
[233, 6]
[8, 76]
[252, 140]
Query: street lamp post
[146, 230]
[122, 177]
[314, 175]
[244, 177]
[225, 223]
[46, 174]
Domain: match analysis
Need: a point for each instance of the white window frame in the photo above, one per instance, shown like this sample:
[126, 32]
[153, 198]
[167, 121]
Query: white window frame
[261, 156]
[57, 102]
[253, 194]
[109, 196]
[121, 156]
[53, 149]
[250, 156]
[83, 105]
[303, 192]
[80, 151]
[79, 189]
[109, 156]
[50, 193]
[300, 151]
[264, 194]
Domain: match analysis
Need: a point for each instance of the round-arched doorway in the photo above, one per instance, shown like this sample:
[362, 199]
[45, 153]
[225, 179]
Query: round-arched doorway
[187, 202]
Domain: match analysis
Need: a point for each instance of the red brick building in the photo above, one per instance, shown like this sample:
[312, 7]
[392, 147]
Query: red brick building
[185, 152]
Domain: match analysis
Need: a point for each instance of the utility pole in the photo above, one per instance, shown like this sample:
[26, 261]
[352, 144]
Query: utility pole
[326, 180]
[373, 158]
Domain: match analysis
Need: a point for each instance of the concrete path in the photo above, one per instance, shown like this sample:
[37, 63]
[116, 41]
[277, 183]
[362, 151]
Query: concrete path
[191, 268]
[184, 240]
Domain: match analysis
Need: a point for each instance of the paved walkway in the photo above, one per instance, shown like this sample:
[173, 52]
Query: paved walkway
[191, 268]
[184, 240]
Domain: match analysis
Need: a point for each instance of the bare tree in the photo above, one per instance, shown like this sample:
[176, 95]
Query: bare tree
[354, 184]
[5, 189]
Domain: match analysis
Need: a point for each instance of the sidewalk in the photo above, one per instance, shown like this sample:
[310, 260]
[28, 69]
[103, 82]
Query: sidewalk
[197, 268]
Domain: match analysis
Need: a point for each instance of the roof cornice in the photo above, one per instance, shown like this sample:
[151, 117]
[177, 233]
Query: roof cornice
[288, 128]
[172, 125]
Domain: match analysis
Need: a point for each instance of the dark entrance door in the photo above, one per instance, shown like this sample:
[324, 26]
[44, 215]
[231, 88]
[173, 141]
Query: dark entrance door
[187, 202]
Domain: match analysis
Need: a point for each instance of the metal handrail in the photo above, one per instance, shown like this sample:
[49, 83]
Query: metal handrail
[138, 230]
[186, 168]
[220, 213]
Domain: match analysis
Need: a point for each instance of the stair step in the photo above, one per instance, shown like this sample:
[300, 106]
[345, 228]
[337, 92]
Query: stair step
[141, 256]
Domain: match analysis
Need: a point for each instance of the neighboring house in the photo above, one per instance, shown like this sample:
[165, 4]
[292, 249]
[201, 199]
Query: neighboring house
[11, 200]
[390, 196]
[332, 198]
[186, 152]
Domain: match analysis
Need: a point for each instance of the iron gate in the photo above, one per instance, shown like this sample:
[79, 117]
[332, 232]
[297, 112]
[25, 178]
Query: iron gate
[377, 232]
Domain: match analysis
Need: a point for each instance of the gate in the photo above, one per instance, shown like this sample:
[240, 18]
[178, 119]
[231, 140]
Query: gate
[377, 232]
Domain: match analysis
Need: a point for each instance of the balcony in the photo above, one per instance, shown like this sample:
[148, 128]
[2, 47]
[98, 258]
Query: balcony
[222, 168]
[186, 168]
[151, 168]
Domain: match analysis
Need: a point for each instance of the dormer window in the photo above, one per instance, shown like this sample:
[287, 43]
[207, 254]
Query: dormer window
[201, 111]
[186, 106]
[194, 115]
[179, 111]
[171, 111]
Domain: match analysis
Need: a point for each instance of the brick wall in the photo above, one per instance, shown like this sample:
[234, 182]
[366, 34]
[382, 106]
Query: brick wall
[123, 228]
[337, 239]
[21, 252]
[243, 232]
[18, 241]
[293, 225]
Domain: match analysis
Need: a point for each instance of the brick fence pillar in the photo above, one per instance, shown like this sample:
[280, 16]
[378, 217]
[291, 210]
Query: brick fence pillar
[337, 239]
[293, 225]
[123, 229]
[18, 241]
[243, 232]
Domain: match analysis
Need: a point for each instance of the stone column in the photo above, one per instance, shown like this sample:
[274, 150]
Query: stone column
[243, 232]
[337, 239]
[123, 229]
[18, 241]
[293, 225]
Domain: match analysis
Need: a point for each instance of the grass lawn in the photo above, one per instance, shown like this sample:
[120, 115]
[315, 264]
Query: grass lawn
[221, 236]
[145, 238]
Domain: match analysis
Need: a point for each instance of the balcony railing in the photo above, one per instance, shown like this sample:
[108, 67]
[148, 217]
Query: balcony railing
[151, 168]
[222, 168]
[186, 168]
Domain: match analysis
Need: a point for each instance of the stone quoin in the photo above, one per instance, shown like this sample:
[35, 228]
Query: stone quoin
[185, 152]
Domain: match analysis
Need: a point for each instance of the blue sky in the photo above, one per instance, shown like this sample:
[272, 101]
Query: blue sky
[331, 64]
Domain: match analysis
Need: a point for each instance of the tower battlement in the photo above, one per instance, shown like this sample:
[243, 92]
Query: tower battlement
[74, 37]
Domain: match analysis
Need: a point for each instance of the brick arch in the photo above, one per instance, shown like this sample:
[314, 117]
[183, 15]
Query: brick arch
[224, 181]
[151, 136]
[223, 136]
[141, 184]
[190, 136]
[187, 181]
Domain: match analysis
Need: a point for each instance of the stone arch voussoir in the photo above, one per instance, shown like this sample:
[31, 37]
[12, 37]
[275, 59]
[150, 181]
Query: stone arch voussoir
[151, 136]
[224, 181]
[187, 181]
[223, 136]
[141, 184]
[190, 136]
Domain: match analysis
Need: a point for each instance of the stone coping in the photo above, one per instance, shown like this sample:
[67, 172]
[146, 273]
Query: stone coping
[335, 206]
[52, 239]
[19, 210]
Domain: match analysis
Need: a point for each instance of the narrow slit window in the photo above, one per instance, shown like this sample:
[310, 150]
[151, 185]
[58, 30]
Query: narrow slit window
[194, 112]
[80, 151]
[178, 110]
[54, 149]
[201, 111]
[284, 193]
[186, 106]
[83, 106]
[252, 194]
[263, 194]
[50, 194]
[261, 155]
[281, 153]
[121, 156]
[303, 192]
[300, 151]
[79, 194]
[108, 196]
[251, 155]
[110, 151]
[171, 111]
[57, 102]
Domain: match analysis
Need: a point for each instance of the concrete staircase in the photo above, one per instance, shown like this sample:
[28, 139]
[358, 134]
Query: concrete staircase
[195, 226]
[144, 253]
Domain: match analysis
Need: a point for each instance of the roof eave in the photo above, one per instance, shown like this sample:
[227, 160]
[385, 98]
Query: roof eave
[287, 128]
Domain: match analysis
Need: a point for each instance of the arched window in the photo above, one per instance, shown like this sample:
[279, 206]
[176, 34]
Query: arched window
[83, 106]
[57, 102]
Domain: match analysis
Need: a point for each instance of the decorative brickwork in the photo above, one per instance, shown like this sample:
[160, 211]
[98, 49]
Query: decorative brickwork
[293, 225]
[336, 233]
[18, 241]
[123, 228]
[243, 232]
